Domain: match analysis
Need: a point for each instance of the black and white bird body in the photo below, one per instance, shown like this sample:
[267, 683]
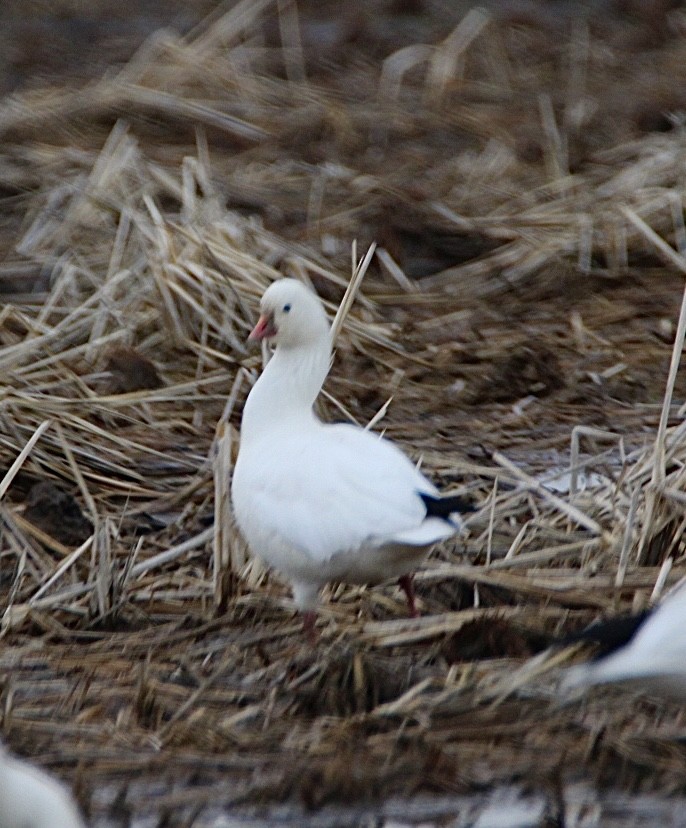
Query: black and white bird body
[30, 798]
[321, 502]
[654, 658]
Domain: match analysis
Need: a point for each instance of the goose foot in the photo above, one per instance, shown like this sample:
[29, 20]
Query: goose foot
[309, 628]
[406, 583]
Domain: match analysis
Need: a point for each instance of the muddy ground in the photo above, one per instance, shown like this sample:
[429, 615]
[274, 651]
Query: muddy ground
[173, 697]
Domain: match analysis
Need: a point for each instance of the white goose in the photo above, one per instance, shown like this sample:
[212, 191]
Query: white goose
[322, 502]
[30, 798]
[654, 658]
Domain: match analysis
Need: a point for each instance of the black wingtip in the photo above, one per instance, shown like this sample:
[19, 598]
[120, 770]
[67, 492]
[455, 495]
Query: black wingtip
[444, 507]
[608, 634]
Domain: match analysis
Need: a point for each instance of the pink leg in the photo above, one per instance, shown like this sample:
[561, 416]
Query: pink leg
[309, 621]
[406, 583]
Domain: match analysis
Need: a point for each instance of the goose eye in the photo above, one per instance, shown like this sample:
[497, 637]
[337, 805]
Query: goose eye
[286, 308]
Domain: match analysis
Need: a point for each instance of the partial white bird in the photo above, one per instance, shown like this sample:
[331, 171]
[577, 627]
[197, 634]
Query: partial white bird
[321, 502]
[654, 658]
[30, 798]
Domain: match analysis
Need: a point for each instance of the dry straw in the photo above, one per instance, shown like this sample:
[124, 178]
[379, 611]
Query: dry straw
[153, 644]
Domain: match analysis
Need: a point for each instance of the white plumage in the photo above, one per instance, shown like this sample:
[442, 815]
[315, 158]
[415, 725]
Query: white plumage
[655, 658]
[30, 798]
[323, 502]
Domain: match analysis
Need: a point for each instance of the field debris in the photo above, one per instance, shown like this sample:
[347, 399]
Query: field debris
[518, 330]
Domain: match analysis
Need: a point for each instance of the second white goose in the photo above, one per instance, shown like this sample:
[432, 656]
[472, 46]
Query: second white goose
[30, 798]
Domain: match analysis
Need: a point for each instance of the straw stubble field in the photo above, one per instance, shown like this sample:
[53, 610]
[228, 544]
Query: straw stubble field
[509, 188]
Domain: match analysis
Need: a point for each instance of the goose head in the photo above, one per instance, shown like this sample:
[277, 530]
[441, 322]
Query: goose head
[291, 316]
